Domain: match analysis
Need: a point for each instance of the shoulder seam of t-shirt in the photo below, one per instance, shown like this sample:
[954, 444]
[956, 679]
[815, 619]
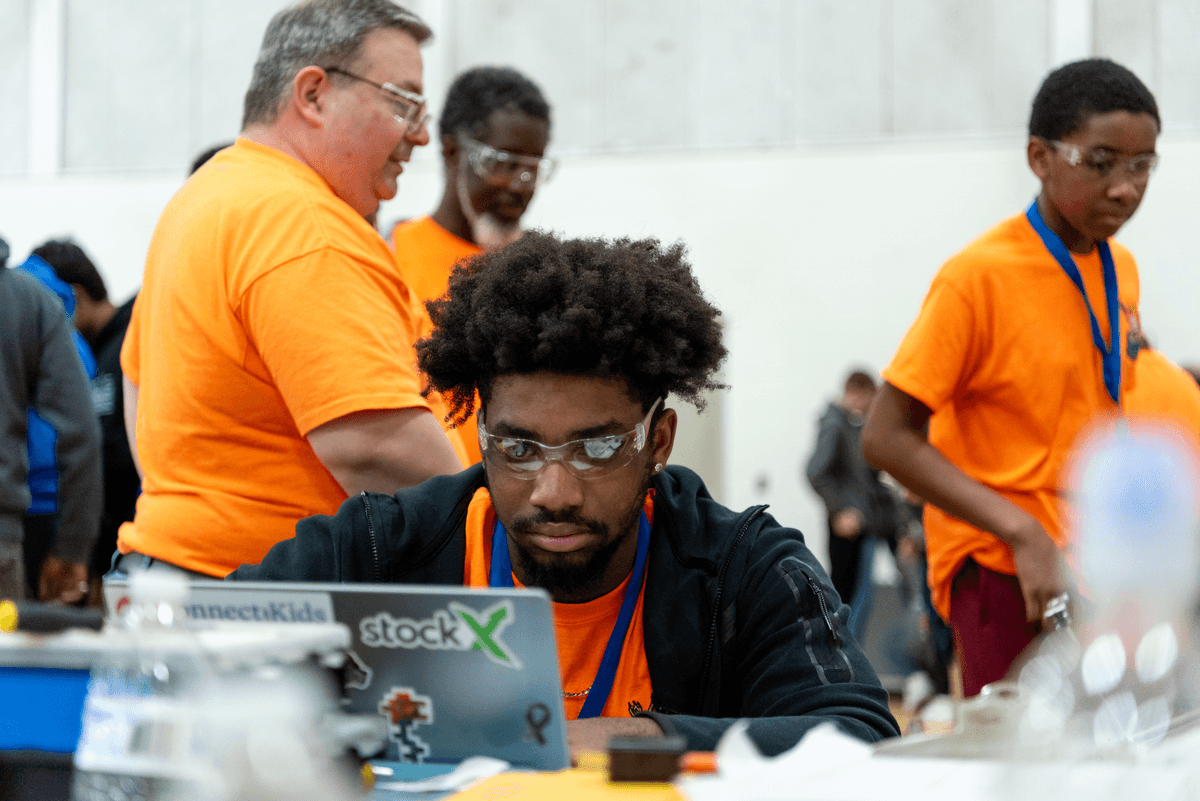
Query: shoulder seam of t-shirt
[922, 391]
[291, 262]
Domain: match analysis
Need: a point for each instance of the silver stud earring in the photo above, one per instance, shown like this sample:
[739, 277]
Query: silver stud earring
[658, 467]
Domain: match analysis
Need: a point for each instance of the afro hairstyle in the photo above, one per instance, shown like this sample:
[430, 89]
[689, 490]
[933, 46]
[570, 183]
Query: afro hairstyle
[627, 309]
[1079, 90]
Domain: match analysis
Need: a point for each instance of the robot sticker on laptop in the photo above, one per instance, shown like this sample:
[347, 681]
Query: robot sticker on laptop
[405, 710]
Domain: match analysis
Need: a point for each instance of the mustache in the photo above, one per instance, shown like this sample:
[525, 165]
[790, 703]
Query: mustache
[526, 525]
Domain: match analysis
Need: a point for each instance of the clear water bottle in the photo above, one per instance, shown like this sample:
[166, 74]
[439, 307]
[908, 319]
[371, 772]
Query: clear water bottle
[142, 737]
[1116, 687]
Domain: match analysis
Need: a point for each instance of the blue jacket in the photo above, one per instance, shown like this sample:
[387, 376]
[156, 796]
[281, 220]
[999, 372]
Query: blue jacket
[43, 439]
[739, 618]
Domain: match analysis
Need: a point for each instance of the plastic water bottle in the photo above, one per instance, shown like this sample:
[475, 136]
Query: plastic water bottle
[142, 737]
[1138, 554]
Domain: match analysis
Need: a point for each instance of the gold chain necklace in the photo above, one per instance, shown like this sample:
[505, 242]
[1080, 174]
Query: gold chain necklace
[576, 695]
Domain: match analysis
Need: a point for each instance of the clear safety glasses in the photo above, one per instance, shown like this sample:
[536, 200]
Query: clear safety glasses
[504, 169]
[593, 457]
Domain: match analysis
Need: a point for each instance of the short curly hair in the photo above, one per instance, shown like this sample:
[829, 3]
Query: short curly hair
[1081, 89]
[480, 91]
[628, 309]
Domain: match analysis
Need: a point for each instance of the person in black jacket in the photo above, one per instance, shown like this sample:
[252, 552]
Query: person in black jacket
[572, 348]
[858, 505]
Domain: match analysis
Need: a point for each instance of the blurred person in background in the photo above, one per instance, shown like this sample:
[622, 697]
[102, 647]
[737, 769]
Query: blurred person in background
[495, 127]
[1160, 389]
[860, 508]
[103, 325]
[40, 369]
[269, 361]
[41, 519]
[1194, 371]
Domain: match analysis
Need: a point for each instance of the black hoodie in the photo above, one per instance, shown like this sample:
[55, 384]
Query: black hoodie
[739, 618]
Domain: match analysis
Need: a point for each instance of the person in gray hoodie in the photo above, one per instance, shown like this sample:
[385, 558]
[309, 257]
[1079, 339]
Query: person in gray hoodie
[40, 370]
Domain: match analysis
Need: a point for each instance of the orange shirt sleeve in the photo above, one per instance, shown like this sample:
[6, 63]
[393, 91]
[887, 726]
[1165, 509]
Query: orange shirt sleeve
[938, 352]
[336, 336]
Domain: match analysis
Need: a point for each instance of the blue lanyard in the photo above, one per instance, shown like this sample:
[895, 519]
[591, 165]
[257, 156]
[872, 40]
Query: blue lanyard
[501, 576]
[1110, 354]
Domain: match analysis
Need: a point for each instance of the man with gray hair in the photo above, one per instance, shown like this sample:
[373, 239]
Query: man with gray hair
[269, 368]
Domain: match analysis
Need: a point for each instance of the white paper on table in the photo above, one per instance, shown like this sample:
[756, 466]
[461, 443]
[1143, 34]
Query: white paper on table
[469, 771]
[828, 765]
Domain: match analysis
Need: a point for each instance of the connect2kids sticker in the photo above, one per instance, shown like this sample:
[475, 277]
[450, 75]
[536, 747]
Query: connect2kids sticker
[456, 628]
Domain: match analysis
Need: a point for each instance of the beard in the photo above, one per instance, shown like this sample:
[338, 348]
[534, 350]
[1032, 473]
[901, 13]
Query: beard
[492, 233]
[487, 230]
[577, 576]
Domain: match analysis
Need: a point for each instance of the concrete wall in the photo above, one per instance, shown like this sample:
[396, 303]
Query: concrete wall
[821, 158]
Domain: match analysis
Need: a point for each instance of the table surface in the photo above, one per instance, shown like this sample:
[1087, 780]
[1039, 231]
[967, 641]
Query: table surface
[586, 783]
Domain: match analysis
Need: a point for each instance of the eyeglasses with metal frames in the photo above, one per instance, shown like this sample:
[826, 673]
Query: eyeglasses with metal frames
[410, 106]
[1102, 161]
[504, 169]
[593, 457]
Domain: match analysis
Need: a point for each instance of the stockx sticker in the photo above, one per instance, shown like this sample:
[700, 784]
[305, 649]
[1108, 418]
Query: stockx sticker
[405, 710]
[457, 628]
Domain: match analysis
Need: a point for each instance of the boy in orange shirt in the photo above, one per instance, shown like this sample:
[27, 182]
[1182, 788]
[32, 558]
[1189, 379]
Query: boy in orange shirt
[1020, 342]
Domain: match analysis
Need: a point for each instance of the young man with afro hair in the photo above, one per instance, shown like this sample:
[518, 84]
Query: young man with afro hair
[573, 348]
[1022, 340]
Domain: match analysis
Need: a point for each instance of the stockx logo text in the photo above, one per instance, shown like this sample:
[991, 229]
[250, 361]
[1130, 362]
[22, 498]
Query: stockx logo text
[456, 628]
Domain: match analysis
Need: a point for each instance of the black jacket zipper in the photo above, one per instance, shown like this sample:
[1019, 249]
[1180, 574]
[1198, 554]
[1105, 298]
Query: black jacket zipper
[371, 533]
[712, 630]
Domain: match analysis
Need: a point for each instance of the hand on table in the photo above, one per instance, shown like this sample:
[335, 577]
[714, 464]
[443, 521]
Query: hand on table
[592, 734]
[62, 582]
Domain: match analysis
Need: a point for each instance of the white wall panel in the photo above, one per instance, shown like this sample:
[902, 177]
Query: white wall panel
[646, 68]
[942, 67]
[1128, 34]
[223, 62]
[1179, 88]
[737, 90]
[14, 86]
[558, 45]
[1021, 60]
[128, 85]
[841, 56]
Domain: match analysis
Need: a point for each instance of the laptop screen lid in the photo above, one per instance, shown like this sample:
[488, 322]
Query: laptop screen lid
[457, 672]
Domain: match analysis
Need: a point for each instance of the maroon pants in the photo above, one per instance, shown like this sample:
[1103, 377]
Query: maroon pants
[987, 614]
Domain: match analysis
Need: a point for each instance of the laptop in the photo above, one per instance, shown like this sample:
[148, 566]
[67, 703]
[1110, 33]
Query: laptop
[456, 672]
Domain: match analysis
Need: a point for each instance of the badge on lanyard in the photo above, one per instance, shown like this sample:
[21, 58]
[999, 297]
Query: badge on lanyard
[1110, 354]
[1136, 340]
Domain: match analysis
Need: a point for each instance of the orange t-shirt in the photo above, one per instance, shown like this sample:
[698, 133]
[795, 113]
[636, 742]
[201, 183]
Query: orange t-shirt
[582, 630]
[268, 307]
[1160, 390]
[1002, 353]
[427, 253]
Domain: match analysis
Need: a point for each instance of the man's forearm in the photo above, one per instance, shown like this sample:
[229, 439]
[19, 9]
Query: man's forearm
[893, 439]
[382, 451]
[910, 459]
